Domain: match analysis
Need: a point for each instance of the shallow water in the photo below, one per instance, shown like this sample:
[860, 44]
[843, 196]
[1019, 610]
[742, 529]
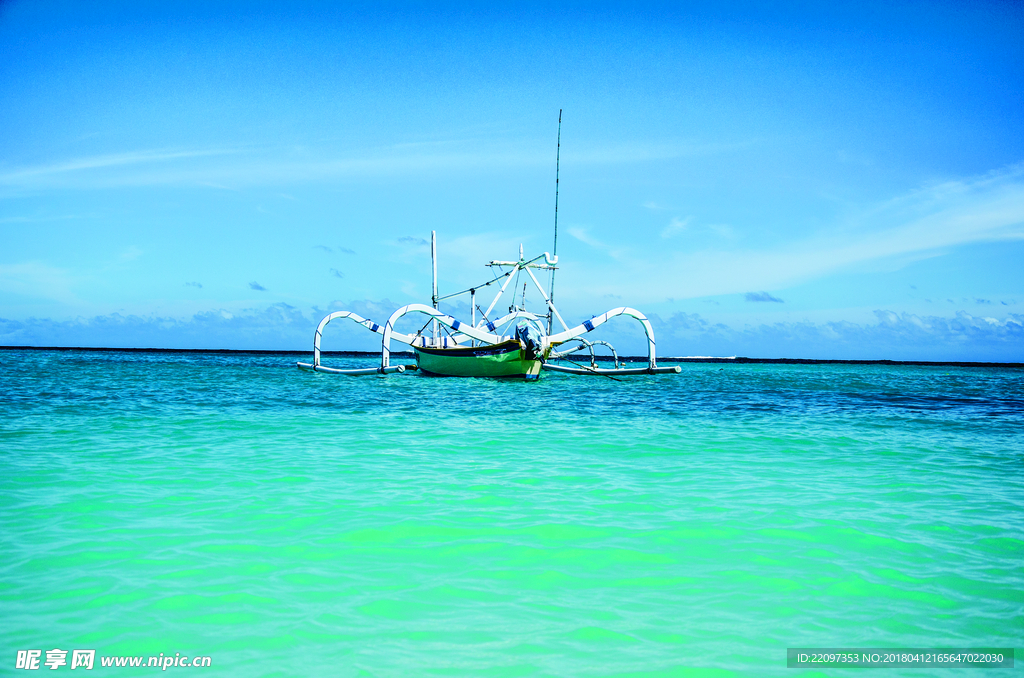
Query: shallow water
[288, 523]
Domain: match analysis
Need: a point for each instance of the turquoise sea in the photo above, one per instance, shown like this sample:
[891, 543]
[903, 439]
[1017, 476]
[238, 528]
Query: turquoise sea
[285, 523]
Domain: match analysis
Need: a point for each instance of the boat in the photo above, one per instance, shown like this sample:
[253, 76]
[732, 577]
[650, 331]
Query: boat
[507, 359]
[520, 344]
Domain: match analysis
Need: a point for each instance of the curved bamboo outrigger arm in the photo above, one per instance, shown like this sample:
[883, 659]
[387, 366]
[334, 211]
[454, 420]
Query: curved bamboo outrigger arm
[368, 324]
[590, 325]
[584, 343]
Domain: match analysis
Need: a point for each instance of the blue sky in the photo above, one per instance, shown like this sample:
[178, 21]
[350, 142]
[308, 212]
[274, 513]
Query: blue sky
[761, 180]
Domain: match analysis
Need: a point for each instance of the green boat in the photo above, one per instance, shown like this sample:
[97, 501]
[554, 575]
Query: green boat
[507, 359]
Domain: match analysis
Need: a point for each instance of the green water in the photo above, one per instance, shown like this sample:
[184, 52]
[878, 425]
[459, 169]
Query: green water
[288, 523]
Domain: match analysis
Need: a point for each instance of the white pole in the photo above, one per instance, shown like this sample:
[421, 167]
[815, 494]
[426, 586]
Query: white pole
[472, 302]
[508, 279]
[433, 285]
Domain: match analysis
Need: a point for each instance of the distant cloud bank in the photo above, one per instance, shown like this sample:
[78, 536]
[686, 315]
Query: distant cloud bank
[894, 336]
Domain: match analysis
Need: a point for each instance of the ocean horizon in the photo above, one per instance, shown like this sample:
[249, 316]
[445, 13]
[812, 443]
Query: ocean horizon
[599, 358]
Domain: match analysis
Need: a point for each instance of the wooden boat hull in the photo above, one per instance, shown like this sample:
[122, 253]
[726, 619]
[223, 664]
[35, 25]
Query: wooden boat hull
[507, 359]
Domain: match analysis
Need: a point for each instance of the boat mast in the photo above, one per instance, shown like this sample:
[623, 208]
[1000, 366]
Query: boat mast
[433, 282]
[554, 252]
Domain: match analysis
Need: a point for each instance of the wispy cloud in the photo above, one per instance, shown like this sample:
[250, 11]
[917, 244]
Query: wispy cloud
[336, 273]
[722, 230]
[761, 296]
[410, 240]
[41, 218]
[99, 162]
[232, 168]
[583, 235]
[194, 284]
[131, 253]
[675, 226]
[343, 250]
[256, 286]
[660, 150]
[921, 224]
[463, 257]
[38, 280]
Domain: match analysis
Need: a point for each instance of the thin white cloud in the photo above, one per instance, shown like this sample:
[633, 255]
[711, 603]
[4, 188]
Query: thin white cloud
[461, 261]
[675, 226]
[918, 225]
[230, 168]
[583, 235]
[41, 219]
[662, 150]
[21, 176]
[131, 253]
[38, 280]
[722, 230]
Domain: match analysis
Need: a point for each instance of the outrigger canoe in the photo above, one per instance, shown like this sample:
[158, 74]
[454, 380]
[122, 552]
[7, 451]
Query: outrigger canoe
[483, 349]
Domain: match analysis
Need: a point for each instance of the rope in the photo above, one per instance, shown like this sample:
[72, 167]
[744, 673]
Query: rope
[515, 284]
[482, 314]
[418, 333]
[470, 289]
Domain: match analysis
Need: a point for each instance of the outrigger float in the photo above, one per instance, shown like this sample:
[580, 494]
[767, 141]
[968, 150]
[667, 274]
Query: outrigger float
[518, 344]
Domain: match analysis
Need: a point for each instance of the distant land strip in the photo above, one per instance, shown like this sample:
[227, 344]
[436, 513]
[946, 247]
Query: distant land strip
[602, 358]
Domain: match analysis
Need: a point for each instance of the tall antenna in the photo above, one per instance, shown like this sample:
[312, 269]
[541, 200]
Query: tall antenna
[433, 281]
[558, 153]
